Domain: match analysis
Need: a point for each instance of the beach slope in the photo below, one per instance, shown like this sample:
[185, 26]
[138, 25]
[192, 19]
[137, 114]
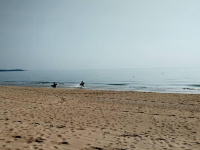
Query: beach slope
[49, 119]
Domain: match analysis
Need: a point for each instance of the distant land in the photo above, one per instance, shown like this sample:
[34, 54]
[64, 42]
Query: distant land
[3, 70]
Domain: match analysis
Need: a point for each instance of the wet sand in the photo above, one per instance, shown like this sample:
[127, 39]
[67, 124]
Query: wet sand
[63, 119]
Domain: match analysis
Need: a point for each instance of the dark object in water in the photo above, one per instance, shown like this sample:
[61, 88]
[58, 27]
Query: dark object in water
[82, 84]
[54, 85]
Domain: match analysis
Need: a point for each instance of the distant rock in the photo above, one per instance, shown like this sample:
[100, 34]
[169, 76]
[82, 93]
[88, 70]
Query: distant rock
[4, 70]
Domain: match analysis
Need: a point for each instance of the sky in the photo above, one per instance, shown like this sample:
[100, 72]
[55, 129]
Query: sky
[99, 34]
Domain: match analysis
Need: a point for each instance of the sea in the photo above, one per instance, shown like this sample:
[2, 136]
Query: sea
[160, 80]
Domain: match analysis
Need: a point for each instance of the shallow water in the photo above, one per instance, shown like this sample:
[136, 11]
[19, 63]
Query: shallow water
[163, 80]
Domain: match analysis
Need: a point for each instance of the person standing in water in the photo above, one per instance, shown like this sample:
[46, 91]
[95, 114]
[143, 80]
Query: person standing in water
[82, 84]
[54, 85]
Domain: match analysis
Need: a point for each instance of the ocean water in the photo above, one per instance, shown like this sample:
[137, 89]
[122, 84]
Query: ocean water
[162, 80]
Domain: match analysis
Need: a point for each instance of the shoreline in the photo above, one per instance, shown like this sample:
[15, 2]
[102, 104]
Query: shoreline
[47, 118]
[101, 89]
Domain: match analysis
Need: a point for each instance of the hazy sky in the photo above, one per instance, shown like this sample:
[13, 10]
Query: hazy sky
[99, 34]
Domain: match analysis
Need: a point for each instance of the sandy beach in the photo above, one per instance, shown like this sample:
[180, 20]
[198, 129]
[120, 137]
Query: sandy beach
[50, 119]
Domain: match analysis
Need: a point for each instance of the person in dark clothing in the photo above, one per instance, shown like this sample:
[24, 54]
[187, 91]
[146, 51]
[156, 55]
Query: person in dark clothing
[54, 85]
[82, 84]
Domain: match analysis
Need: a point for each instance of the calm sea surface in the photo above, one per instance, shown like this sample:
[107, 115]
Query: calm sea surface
[162, 80]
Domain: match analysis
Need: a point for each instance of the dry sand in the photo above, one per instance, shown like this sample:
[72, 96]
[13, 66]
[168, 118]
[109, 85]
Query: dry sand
[48, 119]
